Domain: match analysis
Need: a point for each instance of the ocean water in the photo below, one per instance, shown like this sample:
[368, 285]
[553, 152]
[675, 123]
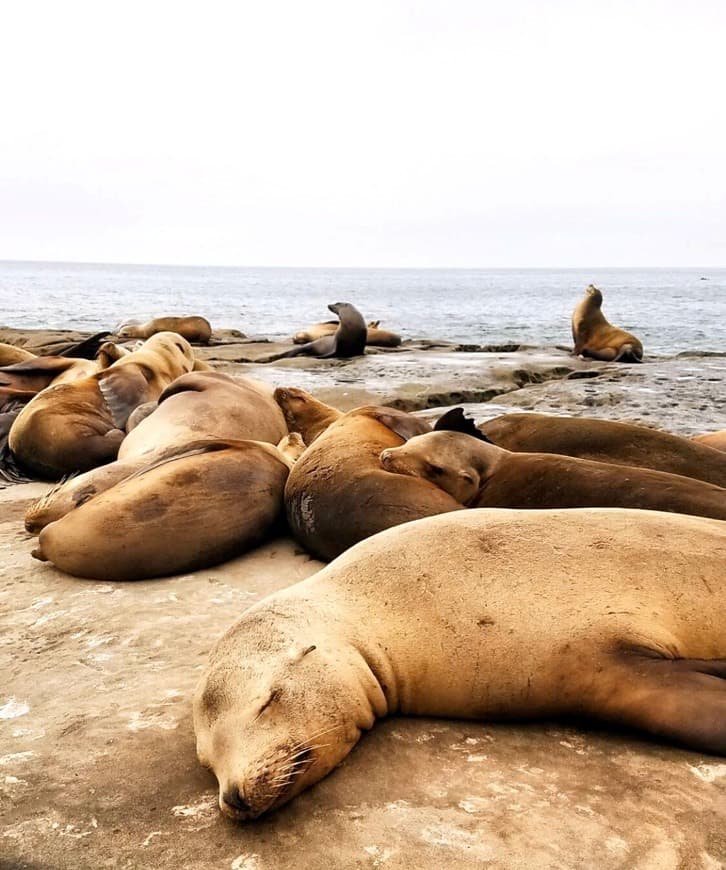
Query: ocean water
[671, 310]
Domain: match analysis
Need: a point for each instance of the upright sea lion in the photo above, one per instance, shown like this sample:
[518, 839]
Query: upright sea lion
[76, 426]
[304, 413]
[196, 329]
[716, 440]
[210, 502]
[607, 441]
[348, 340]
[616, 616]
[198, 405]
[375, 337]
[596, 338]
[478, 474]
[337, 493]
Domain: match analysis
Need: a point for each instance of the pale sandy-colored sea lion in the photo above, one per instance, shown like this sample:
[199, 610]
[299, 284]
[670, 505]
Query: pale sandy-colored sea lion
[209, 503]
[304, 413]
[337, 493]
[10, 354]
[596, 338]
[716, 440]
[616, 616]
[607, 441]
[194, 329]
[72, 427]
[197, 405]
[375, 337]
[478, 474]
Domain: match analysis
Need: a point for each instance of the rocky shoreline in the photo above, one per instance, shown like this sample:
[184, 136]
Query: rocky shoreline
[97, 762]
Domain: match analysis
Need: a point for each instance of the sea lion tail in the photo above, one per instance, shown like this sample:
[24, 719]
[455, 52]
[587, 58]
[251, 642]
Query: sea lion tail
[628, 353]
[455, 421]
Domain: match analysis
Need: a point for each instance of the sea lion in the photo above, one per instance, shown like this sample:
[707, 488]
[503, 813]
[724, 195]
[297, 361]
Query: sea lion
[596, 338]
[40, 372]
[716, 440]
[616, 616]
[337, 493]
[209, 503]
[10, 354]
[607, 441]
[76, 426]
[193, 329]
[304, 413]
[375, 337]
[348, 340]
[198, 405]
[478, 474]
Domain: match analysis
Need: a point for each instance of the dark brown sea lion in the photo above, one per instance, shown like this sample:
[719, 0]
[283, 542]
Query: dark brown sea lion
[337, 493]
[348, 340]
[614, 616]
[304, 413]
[478, 474]
[596, 338]
[75, 426]
[607, 441]
[375, 337]
[194, 329]
[210, 502]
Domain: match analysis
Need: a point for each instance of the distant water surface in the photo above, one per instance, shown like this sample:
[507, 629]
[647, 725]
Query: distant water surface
[671, 310]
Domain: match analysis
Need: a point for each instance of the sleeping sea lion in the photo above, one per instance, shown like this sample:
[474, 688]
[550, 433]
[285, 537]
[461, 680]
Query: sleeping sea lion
[716, 440]
[596, 338]
[72, 427]
[206, 504]
[478, 474]
[194, 329]
[337, 493]
[613, 616]
[304, 413]
[607, 441]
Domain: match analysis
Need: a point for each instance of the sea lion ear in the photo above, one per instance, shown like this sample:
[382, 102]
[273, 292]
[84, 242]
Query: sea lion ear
[298, 653]
[455, 421]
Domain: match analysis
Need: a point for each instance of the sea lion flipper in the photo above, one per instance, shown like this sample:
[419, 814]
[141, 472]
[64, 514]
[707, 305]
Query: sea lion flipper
[86, 349]
[405, 425]
[123, 390]
[455, 421]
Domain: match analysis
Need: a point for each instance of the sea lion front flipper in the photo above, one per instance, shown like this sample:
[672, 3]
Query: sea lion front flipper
[86, 349]
[455, 421]
[683, 700]
[123, 389]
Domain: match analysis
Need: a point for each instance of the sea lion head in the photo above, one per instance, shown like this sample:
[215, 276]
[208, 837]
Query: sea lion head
[304, 413]
[449, 460]
[274, 711]
[173, 345]
[594, 295]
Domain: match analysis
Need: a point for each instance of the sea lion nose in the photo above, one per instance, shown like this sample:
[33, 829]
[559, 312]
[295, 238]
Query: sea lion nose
[234, 799]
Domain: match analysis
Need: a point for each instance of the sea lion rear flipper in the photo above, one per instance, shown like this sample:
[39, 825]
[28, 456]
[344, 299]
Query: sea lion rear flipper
[123, 390]
[681, 699]
[455, 421]
[10, 471]
[86, 349]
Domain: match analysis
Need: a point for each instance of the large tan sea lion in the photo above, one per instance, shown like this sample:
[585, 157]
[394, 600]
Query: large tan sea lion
[717, 440]
[304, 413]
[478, 474]
[337, 493]
[72, 427]
[615, 616]
[596, 338]
[196, 405]
[210, 502]
[375, 337]
[194, 329]
[607, 441]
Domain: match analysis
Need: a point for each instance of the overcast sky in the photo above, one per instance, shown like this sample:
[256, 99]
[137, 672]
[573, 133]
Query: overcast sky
[391, 133]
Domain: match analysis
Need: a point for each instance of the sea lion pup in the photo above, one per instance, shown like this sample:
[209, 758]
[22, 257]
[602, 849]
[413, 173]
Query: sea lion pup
[337, 493]
[196, 405]
[607, 441]
[348, 340]
[194, 329]
[73, 427]
[375, 337]
[478, 474]
[480, 614]
[10, 354]
[716, 440]
[596, 338]
[304, 413]
[205, 505]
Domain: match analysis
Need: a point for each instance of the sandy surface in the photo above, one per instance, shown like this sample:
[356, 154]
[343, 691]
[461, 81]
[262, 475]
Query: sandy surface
[97, 763]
